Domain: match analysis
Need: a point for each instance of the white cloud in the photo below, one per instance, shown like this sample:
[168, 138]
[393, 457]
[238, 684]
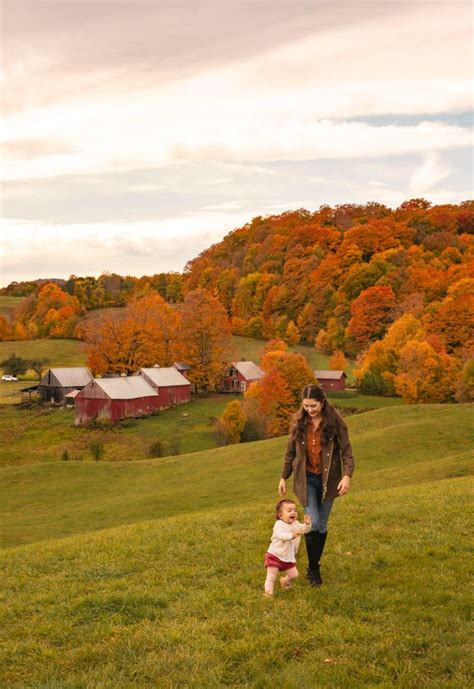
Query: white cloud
[138, 248]
[287, 103]
[428, 174]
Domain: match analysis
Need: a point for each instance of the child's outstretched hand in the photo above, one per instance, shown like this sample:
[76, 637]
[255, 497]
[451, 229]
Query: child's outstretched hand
[307, 519]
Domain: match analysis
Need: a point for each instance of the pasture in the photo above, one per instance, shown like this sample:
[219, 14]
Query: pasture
[149, 574]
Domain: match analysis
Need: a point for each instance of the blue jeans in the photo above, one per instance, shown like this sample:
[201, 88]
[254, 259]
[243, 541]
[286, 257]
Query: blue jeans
[318, 509]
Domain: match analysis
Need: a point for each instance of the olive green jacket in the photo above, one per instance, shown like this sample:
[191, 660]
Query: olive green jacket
[337, 461]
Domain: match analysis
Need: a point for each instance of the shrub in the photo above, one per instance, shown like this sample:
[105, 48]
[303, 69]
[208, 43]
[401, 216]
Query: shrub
[157, 449]
[128, 423]
[96, 448]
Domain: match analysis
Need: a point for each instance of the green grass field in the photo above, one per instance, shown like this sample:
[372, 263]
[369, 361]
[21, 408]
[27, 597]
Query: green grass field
[58, 352]
[8, 306]
[149, 574]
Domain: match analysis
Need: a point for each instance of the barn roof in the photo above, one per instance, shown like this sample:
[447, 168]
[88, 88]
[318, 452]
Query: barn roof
[181, 366]
[72, 394]
[329, 375]
[77, 376]
[248, 370]
[164, 377]
[126, 388]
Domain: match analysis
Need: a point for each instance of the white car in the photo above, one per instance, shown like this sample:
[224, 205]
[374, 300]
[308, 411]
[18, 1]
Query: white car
[9, 379]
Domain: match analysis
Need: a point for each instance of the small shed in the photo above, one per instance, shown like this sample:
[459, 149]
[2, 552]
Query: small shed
[70, 398]
[58, 382]
[172, 387]
[240, 375]
[115, 399]
[331, 380]
[182, 367]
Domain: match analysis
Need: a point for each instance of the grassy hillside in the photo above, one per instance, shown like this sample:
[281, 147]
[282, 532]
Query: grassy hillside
[64, 498]
[58, 352]
[174, 598]
[42, 434]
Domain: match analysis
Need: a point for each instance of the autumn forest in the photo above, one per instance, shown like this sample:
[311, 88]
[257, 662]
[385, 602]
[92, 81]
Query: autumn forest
[392, 289]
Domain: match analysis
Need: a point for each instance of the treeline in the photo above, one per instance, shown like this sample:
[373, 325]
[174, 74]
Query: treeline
[54, 308]
[344, 278]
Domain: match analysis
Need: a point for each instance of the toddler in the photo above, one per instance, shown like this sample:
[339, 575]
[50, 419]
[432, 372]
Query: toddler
[286, 537]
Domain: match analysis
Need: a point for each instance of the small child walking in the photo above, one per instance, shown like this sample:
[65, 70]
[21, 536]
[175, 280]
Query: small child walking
[286, 537]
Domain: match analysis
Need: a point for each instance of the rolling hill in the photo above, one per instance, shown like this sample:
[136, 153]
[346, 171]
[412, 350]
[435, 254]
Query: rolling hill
[149, 574]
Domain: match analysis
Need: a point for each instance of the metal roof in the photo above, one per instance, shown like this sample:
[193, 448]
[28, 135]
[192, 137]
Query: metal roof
[181, 366]
[329, 375]
[248, 370]
[126, 388]
[75, 377]
[164, 377]
[73, 393]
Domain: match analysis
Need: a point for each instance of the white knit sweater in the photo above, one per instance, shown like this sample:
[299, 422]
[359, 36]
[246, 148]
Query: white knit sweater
[283, 545]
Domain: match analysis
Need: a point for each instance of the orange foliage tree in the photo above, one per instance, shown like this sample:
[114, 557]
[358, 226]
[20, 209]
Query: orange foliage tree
[205, 338]
[338, 361]
[371, 314]
[278, 393]
[6, 331]
[145, 334]
[50, 313]
[453, 318]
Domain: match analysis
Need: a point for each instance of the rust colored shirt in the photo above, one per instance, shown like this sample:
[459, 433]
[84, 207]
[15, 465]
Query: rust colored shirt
[313, 449]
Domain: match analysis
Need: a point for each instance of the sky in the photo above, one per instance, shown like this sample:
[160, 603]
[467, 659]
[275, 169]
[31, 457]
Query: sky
[136, 134]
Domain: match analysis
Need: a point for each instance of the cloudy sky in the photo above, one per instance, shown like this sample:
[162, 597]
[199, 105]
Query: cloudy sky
[135, 134]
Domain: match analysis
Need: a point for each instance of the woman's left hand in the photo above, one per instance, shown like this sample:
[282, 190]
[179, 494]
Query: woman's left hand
[344, 485]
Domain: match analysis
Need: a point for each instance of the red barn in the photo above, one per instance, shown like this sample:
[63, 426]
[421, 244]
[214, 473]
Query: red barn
[240, 375]
[115, 399]
[331, 380]
[172, 387]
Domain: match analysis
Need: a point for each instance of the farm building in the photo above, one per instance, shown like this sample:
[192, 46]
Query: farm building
[331, 380]
[58, 382]
[115, 399]
[172, 387]
[240, 375]
[181, 367]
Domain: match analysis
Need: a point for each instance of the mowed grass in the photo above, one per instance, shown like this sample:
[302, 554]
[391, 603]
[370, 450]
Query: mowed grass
[174, 599]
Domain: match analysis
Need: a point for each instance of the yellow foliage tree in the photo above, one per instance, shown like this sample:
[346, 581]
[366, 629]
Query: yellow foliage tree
[233, 421]
[425, 375]
[292, 334]
[376, 370]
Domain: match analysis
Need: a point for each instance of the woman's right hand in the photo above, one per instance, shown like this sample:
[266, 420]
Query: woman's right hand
[282, 487]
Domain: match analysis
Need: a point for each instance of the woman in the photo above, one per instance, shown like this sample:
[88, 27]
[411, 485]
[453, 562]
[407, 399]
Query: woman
[319, 455]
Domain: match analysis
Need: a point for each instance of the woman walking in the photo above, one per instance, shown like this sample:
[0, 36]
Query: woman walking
[319, 455]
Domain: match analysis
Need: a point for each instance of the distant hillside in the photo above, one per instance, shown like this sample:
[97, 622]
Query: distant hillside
[172, 596]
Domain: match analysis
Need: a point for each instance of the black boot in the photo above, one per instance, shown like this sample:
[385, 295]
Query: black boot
[315, 542]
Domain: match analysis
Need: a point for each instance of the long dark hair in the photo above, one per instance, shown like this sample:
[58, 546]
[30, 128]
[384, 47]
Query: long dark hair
[328, 415]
